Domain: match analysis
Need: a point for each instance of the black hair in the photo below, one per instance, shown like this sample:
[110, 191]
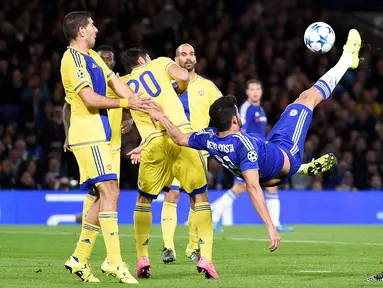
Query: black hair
[253, 81]
[130, 58]
[105, 48]
[72, 23]
[222, 111]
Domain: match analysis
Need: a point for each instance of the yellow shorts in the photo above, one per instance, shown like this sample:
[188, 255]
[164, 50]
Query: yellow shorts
[116, 160]
[95, 165]
[176, 185]
[162, 160]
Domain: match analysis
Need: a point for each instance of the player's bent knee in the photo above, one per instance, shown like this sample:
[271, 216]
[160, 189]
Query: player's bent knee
[141, 198]
[310, 98]
[202, 197]
[272, 190]
[239, 188]
[173, 196]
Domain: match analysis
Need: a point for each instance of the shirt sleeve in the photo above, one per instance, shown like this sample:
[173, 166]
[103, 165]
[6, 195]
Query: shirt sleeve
[165, 62]
[198, 140]
[248, 153]
[75, 70]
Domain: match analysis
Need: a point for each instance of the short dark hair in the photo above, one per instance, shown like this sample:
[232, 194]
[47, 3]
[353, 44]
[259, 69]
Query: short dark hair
[130, 58]
[253, 81]
[105, 48]
[222, 111]
[72, 23]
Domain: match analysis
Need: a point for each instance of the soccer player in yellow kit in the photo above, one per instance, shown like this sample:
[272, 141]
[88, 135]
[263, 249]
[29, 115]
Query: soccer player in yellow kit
[162, 160]
[85, 78]
[196, 100]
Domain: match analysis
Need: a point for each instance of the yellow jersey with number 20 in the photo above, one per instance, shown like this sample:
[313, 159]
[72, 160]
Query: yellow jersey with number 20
[154, 81]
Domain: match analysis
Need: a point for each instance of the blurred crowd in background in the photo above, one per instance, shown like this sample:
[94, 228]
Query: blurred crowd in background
[234, 41]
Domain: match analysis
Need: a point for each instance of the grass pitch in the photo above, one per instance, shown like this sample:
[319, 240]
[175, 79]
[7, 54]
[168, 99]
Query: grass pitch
[312, 256]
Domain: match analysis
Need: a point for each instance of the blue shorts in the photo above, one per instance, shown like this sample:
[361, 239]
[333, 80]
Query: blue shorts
[290, 132]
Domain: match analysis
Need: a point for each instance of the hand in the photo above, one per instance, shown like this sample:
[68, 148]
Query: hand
[135, 155]
[66, 145]
[156, 115]
[140, 104]
[125, 126]
[275, 239]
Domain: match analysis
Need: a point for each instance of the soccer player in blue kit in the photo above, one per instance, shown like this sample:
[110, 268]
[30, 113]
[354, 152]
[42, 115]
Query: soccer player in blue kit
[260, 161]
[254, 120]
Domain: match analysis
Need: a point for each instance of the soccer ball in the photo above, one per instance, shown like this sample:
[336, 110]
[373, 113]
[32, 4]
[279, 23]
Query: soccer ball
[319, 37]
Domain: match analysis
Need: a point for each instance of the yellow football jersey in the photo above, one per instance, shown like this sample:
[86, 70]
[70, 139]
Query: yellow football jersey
[115, 118]
[153, 79]
[87, 126]
[197, 99]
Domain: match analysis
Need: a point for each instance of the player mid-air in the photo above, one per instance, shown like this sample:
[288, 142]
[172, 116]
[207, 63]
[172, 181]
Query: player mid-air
[201, 93]
[264, 162]
[254, 120]
[162, 160]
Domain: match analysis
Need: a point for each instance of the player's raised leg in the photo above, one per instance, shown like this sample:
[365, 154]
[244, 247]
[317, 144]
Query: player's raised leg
[291, 130]
[169, 221]
[323, 88]
[225, 201]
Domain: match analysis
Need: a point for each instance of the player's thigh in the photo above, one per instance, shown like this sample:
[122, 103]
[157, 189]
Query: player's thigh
[290, 133]
[154, 173]
[95, 165]
[116, 159]
[190, 169]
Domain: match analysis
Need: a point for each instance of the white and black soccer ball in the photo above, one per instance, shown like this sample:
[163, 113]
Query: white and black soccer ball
[319, 37]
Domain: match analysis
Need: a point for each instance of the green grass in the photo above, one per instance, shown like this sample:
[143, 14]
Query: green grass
[33, 256]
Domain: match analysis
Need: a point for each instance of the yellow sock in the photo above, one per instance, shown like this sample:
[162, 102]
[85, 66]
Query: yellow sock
[168, 224]
[109, 227]
[86, 242]
[193, 232]
[142, 224]
[88, 201]
[204, 225]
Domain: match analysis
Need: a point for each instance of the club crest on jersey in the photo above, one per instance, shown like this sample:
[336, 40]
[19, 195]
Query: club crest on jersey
[80, 74]
[201, 93]
[293, 112]
[252, 156]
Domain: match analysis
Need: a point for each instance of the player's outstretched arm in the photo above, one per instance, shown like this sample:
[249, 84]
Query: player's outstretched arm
[178, 137]
[123, 91]
[93, 100]
[258, 201]
[66, 121]
[181, 76]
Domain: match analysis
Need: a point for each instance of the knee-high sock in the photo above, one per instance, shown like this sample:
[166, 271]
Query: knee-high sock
[168, 223]
[205, 228]
[142, 225]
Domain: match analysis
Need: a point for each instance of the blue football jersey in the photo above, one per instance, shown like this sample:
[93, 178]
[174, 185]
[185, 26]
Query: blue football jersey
[253, 118]
[240, 152]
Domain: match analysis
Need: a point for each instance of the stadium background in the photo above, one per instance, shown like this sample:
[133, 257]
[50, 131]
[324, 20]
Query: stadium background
[234, 41]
